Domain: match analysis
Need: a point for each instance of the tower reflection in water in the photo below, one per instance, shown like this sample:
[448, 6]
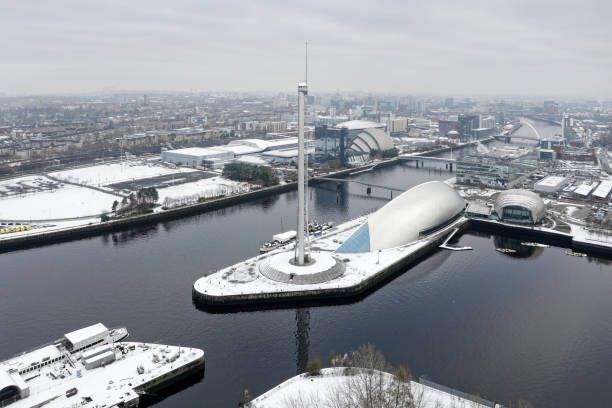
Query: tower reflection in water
[302, 338]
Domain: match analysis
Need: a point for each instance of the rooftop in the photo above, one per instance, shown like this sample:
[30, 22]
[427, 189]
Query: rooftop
[551, 181]
[85, 333]
[359, 124]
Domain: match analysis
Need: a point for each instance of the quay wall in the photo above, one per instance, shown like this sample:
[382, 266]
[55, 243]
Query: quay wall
[556, 238]
[360, 290]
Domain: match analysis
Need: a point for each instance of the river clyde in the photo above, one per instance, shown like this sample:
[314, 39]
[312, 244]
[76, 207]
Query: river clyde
[534, 326]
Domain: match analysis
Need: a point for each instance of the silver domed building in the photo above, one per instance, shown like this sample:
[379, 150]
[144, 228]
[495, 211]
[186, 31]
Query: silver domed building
[365, 136]
[520, 206]
[413, 215]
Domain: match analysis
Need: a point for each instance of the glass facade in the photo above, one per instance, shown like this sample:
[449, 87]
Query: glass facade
[517, 214]
[358, 242]
[484, 171]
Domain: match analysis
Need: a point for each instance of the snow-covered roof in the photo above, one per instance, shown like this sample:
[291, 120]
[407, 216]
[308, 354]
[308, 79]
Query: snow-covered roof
[239, 149]
[584, 189]
[78, 336]
[35, 356]
[604, 189]
[199, 151]
[286, 153]
[262, 145]
[359, 124]
[551, 181]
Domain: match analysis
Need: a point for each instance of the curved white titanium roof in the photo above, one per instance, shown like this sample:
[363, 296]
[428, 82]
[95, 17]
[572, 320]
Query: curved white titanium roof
[359, 124]
[372, 139]
[407, 218]
[521, 198]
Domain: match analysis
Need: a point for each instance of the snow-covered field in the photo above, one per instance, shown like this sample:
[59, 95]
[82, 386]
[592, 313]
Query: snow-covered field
[64, 202]
[318, 390]
[105, 174]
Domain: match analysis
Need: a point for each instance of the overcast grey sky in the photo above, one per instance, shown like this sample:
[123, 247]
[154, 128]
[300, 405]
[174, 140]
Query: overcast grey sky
[504, 47]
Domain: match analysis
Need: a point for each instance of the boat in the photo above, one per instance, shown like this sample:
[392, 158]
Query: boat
[316, 229]
[92, 366]
[535, 244]
[506, 250]
[284, 238]
[278, 240]
[572, 253]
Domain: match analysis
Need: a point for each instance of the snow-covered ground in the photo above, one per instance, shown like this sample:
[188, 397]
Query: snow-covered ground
[25, 184]
[105, 174]
[65, 201]
[210, 187]
[317, 391]
[244, 278]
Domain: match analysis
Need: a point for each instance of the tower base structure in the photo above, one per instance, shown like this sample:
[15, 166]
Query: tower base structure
[321, 267]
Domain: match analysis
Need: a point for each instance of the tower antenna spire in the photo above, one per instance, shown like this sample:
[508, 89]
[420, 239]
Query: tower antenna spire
[306, 64]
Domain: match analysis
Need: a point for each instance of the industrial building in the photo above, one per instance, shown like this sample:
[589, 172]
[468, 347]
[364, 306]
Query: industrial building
[414, 214]
[198, 157]
[218, 156]
[550, 184]
[603, 190]
[285, 156]
[519, 206]
[484, 170]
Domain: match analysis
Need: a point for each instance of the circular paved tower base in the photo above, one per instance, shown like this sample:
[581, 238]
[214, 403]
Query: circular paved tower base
[280, 267]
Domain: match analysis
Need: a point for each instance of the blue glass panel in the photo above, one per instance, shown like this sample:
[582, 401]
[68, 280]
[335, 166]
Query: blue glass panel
[358, 242]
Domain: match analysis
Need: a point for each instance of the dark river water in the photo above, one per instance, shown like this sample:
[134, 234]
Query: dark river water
[537, 327]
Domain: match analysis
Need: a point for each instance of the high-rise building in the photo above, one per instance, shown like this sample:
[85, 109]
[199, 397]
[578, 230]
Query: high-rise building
[566, 126]
[467, 123]
[487, 122]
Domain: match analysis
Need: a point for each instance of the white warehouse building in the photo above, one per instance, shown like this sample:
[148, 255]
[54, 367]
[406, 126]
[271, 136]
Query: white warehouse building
[198, 157]
[550, 184]
[216, 157]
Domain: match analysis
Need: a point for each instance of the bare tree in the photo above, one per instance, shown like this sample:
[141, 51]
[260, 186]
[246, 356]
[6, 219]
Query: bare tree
[304, 401]
[370, 383]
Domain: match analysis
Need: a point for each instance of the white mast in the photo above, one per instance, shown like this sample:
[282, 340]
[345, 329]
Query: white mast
[301, 181]
[306, 192]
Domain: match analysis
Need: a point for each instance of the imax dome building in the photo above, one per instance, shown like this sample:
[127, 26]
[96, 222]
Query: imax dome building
[413, 215]
[520, 206]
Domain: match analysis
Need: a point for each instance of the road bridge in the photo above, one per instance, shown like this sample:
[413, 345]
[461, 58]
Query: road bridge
[449, 161]
[363, 183]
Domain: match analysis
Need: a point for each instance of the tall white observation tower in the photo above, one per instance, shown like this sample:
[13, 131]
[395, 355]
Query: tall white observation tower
[300, 266]
[302, 182]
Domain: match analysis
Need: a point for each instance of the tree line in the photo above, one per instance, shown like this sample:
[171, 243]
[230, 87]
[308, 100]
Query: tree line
[251, 173]
[143, 201]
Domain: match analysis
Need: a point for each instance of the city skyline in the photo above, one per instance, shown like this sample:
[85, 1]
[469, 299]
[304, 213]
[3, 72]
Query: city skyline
[536, 49]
